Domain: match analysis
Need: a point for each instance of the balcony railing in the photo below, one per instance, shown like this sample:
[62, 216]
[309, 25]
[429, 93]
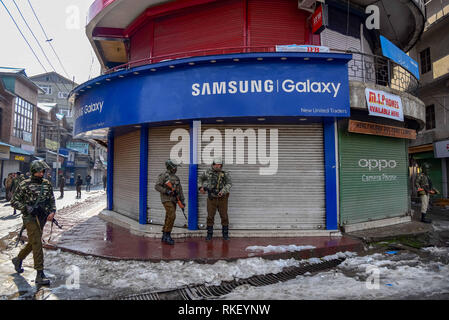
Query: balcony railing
[363, 67]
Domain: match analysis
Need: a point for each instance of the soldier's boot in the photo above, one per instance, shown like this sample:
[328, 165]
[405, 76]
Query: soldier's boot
[17, 265]
[210, 232]
[425, 219]
[164, 236]
[168, 239]
[225, 232]
[41, 278]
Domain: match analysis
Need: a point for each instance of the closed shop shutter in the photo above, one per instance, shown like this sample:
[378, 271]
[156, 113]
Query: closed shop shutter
[371, 193]
[216, 25]
[159, 148]
[276, 22]
[293, 198]
[140, 44]
[126, 174]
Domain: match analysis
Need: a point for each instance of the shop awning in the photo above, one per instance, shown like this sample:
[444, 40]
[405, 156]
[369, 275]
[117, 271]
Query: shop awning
[20, 151]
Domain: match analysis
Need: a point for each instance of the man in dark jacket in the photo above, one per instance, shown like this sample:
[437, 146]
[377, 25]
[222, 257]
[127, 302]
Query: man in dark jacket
[61, 186]
[78, 184]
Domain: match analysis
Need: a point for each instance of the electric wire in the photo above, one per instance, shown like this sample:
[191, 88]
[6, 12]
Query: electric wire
[23, 36]
[47, 39]
[42, 49]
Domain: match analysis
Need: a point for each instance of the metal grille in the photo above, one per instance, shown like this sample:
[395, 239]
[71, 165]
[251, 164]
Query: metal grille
[292, 198]
[159, 148]
[200, 292]
[126, 174]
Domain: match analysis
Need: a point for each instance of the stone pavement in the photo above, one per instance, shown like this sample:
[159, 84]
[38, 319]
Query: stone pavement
[85, 233]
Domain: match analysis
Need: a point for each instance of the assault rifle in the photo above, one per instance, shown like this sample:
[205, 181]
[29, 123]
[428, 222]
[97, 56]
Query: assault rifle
[214, 192]
[42, 217]
[173, 190]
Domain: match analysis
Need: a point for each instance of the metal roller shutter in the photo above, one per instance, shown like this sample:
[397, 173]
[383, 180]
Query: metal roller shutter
[275, 22]
[215, 25]
[126, 174]
[293, 198]
[368, 192]
[159, 147]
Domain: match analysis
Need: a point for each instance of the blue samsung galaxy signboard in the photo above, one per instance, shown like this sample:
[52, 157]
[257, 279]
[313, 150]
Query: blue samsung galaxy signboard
[299, 84]
[389, 50]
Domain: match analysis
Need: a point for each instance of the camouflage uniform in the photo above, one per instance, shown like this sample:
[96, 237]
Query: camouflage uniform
[423, 182]
[168, 199]
[25, 198]
[215, 182]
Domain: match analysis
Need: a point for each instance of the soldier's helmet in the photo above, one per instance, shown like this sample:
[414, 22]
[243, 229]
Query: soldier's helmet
[171, 164]
[426, 167]
[217, 160]
[38, 166]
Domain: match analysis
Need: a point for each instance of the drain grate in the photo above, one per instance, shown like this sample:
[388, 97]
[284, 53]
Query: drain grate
[200, 292]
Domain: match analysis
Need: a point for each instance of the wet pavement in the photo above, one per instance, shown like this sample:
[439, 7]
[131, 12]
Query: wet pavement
[85, 233]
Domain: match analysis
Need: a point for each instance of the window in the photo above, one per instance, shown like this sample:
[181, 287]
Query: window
[65, 112]
[62, 95]
[430, 117]
[23, 119]
[426, 65]
[47, 89]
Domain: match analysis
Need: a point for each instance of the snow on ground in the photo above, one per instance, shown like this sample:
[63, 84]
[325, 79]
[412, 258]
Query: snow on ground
[281, 248]
[377, 276]
[100, 278]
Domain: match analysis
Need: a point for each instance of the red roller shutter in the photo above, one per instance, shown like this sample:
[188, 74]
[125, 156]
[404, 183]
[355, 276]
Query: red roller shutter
[272, 22]
[140, 44]
[215, 25]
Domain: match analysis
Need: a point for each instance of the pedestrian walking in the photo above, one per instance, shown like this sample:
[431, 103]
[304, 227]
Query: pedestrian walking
[35, 199]
[169, 197]
[105, 179]
[78, 184]
[61, 186]
[8, 186]
[88, 180]
[425, 189]
[217, 183]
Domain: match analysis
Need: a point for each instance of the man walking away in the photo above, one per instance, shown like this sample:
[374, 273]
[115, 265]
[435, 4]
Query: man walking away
[105, 179]
[78, 184]
[61, 186]
[88, 180]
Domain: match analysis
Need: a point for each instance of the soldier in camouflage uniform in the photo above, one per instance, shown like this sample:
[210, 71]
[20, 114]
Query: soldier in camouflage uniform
[217, 183]
[168, 198]
[34, 198]
[424, 187]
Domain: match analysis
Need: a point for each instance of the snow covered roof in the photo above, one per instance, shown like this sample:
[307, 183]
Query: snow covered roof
[46, 106]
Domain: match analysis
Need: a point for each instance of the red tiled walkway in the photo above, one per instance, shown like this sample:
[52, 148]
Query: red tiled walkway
[99, 238]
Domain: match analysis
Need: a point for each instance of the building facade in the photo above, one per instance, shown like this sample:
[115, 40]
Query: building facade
[18, 120]
[311, 120]
[432, 53]
[55, 89]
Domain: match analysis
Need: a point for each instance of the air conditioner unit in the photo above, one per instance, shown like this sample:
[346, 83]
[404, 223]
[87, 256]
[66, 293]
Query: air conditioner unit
[308, 5]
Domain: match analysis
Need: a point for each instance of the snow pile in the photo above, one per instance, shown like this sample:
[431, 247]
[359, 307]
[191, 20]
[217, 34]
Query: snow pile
[376, 276]
[138, 276]
[281, 248]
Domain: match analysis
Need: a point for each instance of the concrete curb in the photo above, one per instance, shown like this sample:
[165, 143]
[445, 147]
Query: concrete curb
[155, 231]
